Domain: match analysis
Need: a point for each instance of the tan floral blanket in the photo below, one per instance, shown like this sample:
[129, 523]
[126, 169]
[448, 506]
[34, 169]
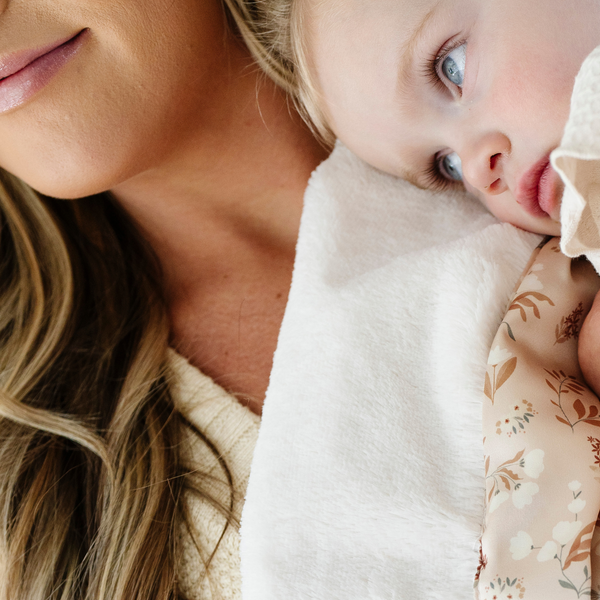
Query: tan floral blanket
[541, 442]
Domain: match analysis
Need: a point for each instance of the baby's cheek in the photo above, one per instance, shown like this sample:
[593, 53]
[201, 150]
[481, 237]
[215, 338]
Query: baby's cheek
[589, 347]
[499, 206]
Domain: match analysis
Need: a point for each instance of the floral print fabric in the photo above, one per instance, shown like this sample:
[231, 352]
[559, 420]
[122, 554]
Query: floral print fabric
[541, 442]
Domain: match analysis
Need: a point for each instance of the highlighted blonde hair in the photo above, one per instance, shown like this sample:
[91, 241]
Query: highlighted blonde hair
[91, 474]
[91, 478]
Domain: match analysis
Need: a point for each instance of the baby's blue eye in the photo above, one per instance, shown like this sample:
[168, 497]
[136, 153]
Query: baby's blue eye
[451, 166]
[453, 65]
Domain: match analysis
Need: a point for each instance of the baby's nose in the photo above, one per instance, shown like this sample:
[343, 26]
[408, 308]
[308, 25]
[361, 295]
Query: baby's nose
[483, 163]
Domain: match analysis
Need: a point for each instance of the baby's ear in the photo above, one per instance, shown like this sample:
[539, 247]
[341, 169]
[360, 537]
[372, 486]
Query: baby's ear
[589, 347]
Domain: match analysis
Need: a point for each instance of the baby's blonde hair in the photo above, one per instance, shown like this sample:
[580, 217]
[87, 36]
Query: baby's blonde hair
[274, 31]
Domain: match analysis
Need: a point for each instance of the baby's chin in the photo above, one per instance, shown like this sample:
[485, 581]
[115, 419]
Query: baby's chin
[549, 227]
[507, 210]
[546, 223]
[542, 225]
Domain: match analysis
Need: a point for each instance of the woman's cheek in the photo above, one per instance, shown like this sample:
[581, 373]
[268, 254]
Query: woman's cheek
[69, 148]
[91, 127]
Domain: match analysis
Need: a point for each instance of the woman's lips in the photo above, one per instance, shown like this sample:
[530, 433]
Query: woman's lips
[538, 190]
[26, 73]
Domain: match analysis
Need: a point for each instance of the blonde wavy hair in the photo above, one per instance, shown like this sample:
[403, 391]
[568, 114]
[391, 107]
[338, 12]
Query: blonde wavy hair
[91, 475]
[92, 478]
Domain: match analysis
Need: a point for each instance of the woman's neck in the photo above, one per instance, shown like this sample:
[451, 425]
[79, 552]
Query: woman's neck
[222, 213]
[244, 167]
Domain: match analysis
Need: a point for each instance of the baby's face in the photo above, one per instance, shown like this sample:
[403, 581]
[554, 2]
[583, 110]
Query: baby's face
[425, 89]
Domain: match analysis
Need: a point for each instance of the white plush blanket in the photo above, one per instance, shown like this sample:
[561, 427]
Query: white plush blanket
[367, 481]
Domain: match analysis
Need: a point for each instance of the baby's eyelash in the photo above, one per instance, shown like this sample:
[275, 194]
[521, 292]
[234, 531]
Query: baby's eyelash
[433, 177]
[430, 70]
[431, 67]
[435, 180]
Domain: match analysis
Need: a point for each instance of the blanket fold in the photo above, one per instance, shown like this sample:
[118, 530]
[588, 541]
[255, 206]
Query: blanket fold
[368, 478]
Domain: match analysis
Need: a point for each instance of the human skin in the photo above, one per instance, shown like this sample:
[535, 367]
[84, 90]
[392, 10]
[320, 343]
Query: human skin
[589, 347]
[521, 61]
[507, 115]
[163, 106]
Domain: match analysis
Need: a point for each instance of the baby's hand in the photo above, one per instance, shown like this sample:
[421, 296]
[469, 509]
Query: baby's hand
[589, 347]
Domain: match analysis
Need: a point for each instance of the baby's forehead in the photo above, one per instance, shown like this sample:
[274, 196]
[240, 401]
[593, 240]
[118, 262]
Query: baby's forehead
[364, 63]
[352, 40]
[338, 14]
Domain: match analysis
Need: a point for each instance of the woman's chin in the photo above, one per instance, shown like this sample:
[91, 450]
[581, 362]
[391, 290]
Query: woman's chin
[67, 181]
[63, 189]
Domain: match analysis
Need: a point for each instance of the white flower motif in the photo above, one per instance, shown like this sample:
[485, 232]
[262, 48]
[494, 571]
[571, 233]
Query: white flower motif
[577, 505]
[537, 267]
[548, 552]
[524, 494]
[531, 283]
[497, 500]
[574, 485]
[521, 545]
[565, 531]
[498, 355]
[534, 463]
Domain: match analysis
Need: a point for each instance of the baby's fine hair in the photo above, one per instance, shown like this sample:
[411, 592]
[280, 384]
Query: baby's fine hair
[274, 30]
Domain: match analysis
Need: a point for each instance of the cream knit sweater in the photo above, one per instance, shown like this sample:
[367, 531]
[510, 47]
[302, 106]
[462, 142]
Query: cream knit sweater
[233, 429]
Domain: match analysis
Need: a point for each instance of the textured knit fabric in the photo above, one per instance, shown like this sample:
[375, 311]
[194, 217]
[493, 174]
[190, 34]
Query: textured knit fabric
[541, 427]
[233, 430]
[578, 162]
